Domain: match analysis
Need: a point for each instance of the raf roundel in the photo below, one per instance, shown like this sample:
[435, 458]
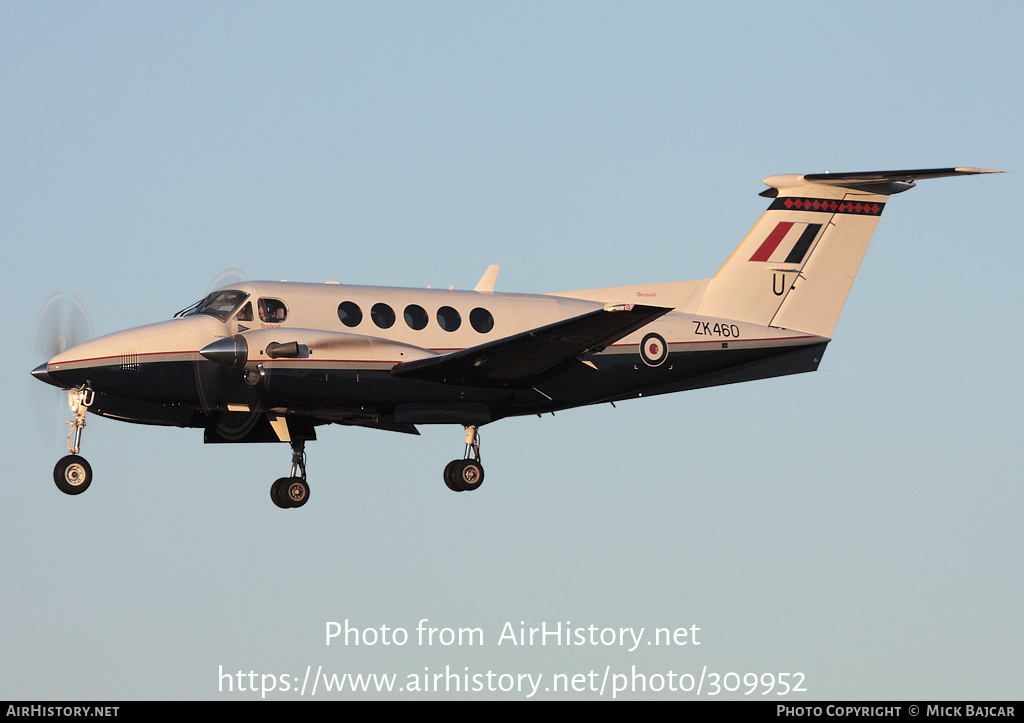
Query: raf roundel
[653, 349]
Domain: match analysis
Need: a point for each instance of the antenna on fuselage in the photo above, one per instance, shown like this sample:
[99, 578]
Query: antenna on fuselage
[486, 283]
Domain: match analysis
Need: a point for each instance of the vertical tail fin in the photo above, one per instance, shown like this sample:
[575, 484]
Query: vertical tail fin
[796, 266]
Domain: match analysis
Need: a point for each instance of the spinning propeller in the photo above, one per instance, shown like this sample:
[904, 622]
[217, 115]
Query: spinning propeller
[226, 277]
[231, 426]
[62, 323]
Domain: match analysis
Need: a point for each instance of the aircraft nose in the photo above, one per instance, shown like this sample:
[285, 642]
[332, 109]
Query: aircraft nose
[231, 351]
[42, 374]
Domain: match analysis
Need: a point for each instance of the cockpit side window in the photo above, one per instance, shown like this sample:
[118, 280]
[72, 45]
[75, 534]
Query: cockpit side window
[272, 311]
[245, 314]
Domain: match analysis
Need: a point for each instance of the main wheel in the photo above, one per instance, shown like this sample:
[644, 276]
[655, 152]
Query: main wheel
[451, 475]
[278, 493]
[72, 474]
[470, 474]
[297, 492]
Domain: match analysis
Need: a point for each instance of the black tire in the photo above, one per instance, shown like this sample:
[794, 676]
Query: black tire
[72, 474]
[278, 493]
[451, 474]
[470, 475]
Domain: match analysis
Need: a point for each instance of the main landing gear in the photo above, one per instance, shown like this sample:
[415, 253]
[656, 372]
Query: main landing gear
[72, 474]
[293, 491]
[464, 475]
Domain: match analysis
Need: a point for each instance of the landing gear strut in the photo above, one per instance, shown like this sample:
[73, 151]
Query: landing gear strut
[464, 475]
[72, 474]
[292, 491]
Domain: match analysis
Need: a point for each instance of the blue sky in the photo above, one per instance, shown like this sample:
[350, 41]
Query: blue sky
[859, 525]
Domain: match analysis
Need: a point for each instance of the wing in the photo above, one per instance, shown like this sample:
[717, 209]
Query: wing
[523, 359]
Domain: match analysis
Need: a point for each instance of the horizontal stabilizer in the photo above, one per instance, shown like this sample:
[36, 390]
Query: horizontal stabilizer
[885, 183]
[526, 357]
[878, 176]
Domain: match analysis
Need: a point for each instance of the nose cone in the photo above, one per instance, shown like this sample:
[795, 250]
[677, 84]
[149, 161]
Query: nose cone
[42, 374]
[231, 351]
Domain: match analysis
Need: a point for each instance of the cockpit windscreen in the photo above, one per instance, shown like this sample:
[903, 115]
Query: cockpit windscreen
[220, 304]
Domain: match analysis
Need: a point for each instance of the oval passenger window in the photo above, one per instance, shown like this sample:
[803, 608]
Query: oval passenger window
[350, 313]
[448, 318]
[383, 316]
[481, 320]
[415, 316]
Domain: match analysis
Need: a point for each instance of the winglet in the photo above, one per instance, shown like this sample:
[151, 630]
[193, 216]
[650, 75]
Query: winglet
[486, 284]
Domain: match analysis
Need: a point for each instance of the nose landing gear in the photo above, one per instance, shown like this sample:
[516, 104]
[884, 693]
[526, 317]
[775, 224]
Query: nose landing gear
[467, 474]
[289, 492]
[72, 473]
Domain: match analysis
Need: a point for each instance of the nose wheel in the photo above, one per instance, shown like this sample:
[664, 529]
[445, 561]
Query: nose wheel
[72, 474]
[467, 474]
[290, 492]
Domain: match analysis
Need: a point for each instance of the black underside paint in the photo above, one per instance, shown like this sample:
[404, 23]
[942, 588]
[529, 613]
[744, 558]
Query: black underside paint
[197, 394]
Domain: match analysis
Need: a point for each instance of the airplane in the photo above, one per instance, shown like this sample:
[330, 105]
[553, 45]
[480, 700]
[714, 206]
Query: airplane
[265, 361]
